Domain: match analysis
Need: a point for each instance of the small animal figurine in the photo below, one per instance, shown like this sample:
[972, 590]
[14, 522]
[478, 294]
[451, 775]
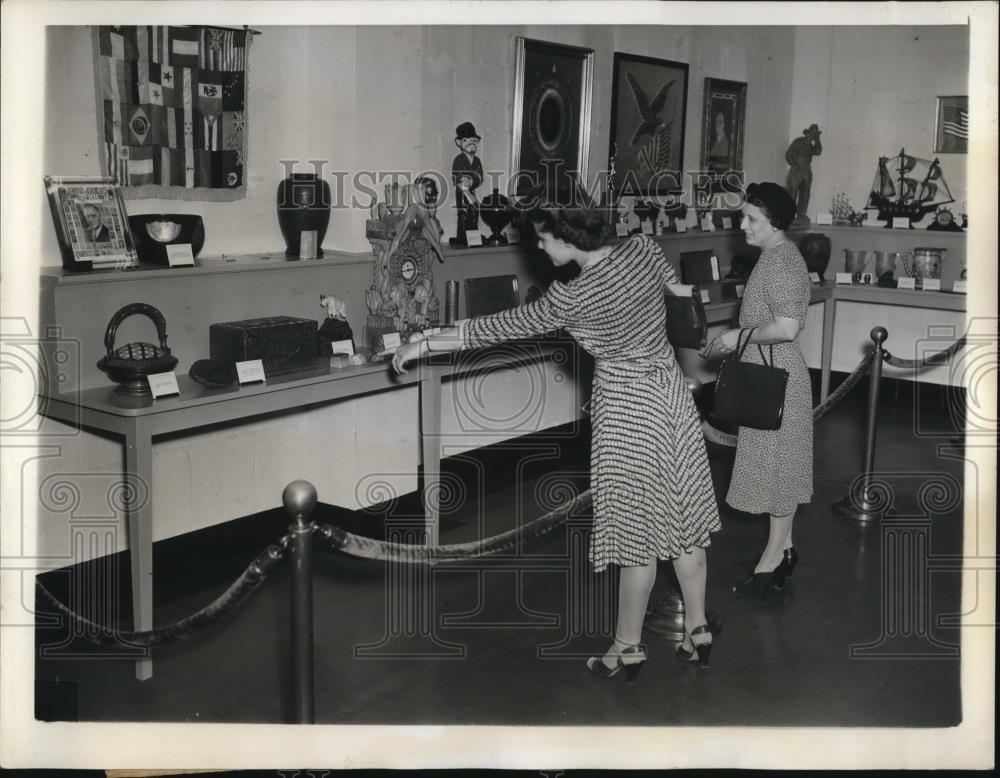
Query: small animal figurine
[334, 306]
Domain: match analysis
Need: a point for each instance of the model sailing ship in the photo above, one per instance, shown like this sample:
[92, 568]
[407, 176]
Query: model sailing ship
[907, 186]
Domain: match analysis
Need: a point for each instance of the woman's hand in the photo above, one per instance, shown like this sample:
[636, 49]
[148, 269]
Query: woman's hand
[408, 352]
[726, 342]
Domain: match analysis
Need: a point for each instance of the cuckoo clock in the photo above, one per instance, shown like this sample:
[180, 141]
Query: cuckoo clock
[402, 297]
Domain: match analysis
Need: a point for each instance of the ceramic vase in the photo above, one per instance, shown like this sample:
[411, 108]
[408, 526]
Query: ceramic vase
[815, 249]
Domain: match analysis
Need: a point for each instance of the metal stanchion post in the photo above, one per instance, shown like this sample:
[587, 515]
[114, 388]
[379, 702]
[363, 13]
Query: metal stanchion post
[867, 507]
[299, 499]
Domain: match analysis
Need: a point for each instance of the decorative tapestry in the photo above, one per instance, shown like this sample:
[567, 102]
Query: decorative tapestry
[171, 110]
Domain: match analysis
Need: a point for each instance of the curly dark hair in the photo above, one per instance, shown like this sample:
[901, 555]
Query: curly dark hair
[576, 222]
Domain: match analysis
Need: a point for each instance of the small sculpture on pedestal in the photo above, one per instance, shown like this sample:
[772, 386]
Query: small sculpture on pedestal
[799, 180]
[335, 327]
[467, 176]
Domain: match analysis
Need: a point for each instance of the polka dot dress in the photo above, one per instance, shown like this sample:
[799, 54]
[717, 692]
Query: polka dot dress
[773, 471]
[650, 480]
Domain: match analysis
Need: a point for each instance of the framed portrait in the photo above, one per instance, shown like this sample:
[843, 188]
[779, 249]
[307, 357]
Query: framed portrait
[722, 120]
[552, 102]
[648, 110]
[91, 223]
[951, 133]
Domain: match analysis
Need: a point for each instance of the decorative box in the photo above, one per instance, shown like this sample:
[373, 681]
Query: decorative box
[281, 342]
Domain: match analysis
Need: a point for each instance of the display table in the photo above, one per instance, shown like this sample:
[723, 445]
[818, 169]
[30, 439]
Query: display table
[193, 300]
[138, 420]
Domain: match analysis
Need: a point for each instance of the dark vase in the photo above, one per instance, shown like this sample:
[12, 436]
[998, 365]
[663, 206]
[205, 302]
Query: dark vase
[815, 250]
[495, 211]
[303, 204]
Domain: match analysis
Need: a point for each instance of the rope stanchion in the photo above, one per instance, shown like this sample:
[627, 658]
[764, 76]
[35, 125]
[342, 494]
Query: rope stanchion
[235, 595]
[862, 504]
[299, 499]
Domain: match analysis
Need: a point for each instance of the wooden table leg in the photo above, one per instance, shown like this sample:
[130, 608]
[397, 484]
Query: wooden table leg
[139, 471]
[430, 448]
[829, 317]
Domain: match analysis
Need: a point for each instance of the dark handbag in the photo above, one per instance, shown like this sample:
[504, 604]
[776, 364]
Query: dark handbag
[687, 325]
[748, 394]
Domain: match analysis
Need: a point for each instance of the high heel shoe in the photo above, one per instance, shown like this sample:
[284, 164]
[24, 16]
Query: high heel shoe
[699, 652]
[784, 569]
[597, 666]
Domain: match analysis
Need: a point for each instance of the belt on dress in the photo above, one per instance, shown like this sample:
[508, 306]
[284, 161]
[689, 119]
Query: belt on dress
[613, 371]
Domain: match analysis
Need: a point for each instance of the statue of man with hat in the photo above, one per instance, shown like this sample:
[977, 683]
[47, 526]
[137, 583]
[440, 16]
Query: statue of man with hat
[799, 157]
[467, 175]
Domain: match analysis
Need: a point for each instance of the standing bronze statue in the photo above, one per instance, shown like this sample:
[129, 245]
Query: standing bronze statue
[799, 157]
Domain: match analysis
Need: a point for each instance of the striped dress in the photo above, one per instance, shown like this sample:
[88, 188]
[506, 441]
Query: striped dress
[650, 480]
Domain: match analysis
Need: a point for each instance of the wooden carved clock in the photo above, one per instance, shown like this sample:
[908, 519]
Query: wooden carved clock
[402, 297]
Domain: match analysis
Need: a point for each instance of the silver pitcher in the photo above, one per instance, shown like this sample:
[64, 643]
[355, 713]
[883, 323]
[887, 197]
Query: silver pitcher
[855, 261]
[885, 262]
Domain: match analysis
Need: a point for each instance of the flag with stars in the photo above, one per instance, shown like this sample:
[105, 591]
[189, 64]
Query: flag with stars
[173, 108]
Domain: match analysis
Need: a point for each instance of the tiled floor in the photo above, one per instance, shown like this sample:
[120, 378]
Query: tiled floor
[503, 640]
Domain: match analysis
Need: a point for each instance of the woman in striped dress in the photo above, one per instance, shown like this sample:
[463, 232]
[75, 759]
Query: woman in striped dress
[651, 485]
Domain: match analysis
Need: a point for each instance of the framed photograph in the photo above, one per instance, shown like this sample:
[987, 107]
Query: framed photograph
[91, 223]
[552, 102]
[951, 134]
[722, 133]
[648, 110]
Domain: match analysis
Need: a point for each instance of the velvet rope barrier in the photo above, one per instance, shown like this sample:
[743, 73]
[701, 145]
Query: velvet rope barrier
[338, 539]
[235, 595]
[933, 359]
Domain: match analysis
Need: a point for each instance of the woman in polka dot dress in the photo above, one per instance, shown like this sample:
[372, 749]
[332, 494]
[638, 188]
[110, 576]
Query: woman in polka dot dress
[773, 471]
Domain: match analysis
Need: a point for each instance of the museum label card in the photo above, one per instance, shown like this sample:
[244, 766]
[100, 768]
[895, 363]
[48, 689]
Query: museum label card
[473, 238]
[958, 287]
[740, 288]
[727, 222]
[900, 222]
[706, 224]
[824, 217]
[621, 230]
[647, 227]
[681, 227]
[907, 283]
[932, 284]
[163, 384]
[180, 255]
[250, 372]
[814, 277]
[307, 244]
[342, 347]
[844, 278]
[705, 297]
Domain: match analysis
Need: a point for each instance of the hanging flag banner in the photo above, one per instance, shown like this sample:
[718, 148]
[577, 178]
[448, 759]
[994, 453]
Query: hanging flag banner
[171, 110]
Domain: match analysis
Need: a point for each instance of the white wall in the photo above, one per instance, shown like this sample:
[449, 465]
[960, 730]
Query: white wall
[389, 98]
[369, 98]
[872, 91]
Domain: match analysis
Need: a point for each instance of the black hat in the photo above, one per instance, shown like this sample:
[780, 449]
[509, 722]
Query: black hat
[776, 200]
[466, 130]
[213, 373]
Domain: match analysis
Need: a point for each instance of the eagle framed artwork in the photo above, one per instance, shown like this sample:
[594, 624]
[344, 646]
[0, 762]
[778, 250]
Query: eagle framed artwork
[648, 111]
